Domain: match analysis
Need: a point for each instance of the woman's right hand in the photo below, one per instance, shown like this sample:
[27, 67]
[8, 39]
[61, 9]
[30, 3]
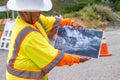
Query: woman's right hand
[83, 59]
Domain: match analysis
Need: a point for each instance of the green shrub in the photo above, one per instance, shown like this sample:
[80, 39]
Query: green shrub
[105, 12]
[87, 15]
[94, 1]
[4, 14]
[117, 5]
[118, 12]
[73, 8]
[3, 2]
[94, 15]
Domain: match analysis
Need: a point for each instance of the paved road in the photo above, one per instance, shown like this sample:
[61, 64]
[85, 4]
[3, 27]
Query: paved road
[3, 56]
[104, 68]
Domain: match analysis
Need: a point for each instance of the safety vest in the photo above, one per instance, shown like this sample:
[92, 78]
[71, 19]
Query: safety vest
[50, 28]
[31, 56]
[51, 24]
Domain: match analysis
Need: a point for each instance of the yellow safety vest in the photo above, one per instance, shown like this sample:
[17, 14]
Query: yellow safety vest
[49, 24]
[31, 56]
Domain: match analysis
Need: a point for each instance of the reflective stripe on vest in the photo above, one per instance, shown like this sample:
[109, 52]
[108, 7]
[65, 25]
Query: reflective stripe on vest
[57, 21]
[28, 74]
[41, 23]
[55, 27]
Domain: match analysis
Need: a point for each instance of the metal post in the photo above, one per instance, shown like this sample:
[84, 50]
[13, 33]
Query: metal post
[13, 16]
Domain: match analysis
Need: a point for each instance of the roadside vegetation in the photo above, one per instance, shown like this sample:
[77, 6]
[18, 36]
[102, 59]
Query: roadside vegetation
[1, 28]
[93, 13]
[94, 16]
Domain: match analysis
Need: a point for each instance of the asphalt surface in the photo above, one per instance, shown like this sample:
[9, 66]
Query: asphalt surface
[104, 68]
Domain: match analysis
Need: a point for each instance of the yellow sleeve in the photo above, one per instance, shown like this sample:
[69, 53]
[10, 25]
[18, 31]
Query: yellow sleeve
[50, 24]
[47, 22]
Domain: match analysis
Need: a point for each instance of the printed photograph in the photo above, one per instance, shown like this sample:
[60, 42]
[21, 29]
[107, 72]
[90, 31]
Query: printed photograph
[84, 42]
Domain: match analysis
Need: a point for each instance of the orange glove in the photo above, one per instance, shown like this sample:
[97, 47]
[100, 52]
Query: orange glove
[64, 22]
[69, 60]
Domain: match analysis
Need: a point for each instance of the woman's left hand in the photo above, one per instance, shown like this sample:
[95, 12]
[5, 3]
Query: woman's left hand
[76, 25]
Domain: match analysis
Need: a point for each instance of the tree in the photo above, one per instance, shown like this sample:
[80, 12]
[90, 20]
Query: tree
[3, 2]
[113, 1]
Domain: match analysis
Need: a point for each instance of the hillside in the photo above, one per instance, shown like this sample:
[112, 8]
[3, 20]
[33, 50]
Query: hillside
[57, 4]
[3, 2]
[92, 15]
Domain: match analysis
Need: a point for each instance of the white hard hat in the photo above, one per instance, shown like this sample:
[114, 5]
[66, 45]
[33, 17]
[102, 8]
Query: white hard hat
[29, 5]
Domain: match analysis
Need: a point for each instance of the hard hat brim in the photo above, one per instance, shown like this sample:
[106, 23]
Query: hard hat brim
[39, 5]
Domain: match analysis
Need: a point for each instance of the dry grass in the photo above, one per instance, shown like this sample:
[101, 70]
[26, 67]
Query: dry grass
[1, 28]
[94, 16]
